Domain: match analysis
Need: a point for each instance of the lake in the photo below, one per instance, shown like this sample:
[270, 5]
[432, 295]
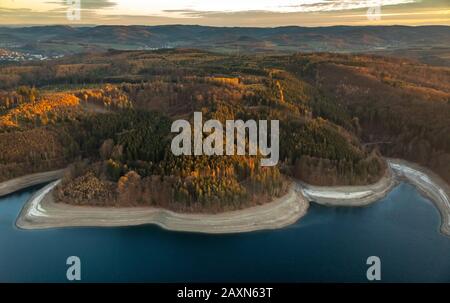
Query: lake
[327, 245]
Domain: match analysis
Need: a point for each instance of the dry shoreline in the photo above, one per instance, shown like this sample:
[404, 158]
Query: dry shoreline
[13, 185]
[350, 196]
[41, 212]
[429, 184]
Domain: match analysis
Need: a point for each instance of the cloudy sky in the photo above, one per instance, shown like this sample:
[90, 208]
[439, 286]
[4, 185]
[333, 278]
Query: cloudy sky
[226, 13]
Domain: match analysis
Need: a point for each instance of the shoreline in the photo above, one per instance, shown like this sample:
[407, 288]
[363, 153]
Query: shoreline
[350, 196]
[429, 185]
[20, 183]
[40, 212]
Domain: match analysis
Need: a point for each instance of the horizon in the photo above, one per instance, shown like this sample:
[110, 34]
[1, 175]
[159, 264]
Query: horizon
[233, 13]
[211, 26]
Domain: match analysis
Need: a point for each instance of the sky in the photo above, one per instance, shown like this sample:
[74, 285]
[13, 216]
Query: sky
[260, 13]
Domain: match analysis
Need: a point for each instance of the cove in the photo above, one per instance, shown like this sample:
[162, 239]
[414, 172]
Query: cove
[327, 245]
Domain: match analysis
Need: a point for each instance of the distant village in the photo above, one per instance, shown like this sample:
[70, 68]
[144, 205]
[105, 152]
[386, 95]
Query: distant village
[15, 56]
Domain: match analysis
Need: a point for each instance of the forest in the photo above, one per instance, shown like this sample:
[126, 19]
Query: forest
[107, 116]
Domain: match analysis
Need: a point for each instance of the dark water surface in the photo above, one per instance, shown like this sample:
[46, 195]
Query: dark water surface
[329, 244]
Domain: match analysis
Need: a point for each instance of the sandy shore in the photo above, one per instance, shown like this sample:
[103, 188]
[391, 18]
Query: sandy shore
[350, 196]
[42, 212]
[20, 183]
[429, 184]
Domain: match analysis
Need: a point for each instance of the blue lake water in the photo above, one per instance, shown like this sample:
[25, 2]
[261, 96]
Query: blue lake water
[327, 245]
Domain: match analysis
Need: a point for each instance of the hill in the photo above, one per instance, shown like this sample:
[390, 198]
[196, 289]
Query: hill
[58, 40]
[109, 115]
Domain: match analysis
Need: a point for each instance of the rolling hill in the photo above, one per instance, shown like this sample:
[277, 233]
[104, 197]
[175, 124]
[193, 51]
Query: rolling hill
[55, 40]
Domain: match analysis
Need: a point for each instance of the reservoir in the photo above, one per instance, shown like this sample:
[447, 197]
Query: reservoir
[327, 245]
